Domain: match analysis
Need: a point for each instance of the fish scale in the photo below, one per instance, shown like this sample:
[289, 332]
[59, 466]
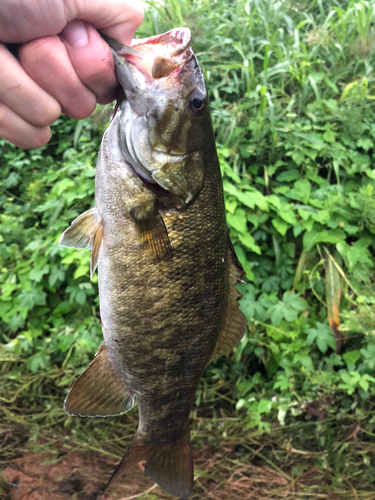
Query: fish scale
[189, 280]
[167, 270]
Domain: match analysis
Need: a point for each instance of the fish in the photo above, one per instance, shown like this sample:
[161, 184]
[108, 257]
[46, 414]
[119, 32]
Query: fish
[167, 269]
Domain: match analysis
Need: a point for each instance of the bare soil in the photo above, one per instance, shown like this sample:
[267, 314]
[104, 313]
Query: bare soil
[219, 476]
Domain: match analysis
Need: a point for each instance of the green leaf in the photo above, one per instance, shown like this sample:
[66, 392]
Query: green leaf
[38, 362]
[358, 252]
[242, 257]
[287, 214]
[322, 335]
[365, 144]
[249, 242]
[293, 301]
[313, 237]
[351, 357]
[36, 274]
[238, 220]
[80, 297]
[30, 298]
[276, 314]
[288, 176]
[249, 198]
[280, 226]
[55, 275]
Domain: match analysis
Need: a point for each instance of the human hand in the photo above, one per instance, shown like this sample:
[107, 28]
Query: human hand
[63, 64]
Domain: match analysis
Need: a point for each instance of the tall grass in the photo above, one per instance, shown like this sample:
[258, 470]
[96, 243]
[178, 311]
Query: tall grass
[292, 90]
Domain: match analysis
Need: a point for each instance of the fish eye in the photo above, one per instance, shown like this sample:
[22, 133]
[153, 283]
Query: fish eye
[197, 105]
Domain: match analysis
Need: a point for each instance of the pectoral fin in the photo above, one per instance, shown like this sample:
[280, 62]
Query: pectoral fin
[153, 234]
[86, 231]
[235, 322]
[99, 391]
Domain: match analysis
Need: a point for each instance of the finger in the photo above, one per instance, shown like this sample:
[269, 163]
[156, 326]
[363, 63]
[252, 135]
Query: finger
[22, 21]
[16, 130]
[47, 62]
[21, 94]
[92, 59]
[118, 19]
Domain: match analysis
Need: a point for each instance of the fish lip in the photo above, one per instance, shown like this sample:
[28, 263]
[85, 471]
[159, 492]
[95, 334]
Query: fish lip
[182, 35]
[120, 48]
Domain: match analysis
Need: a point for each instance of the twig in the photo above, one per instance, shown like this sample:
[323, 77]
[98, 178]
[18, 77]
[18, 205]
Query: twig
[140, 494]
[351, 487]
[269, 462]
[354, 434]
[309, 453]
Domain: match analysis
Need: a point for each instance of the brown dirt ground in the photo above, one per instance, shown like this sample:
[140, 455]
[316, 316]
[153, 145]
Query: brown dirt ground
[80, 476]
[76, 462]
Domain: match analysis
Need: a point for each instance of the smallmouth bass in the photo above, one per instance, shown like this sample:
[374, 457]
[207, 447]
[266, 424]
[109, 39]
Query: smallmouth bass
[167, 269]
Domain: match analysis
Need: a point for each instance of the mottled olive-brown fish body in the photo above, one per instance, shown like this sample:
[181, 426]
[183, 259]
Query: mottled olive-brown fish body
[167, 270]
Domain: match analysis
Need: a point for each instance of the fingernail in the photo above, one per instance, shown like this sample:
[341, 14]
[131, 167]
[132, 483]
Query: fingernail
[75, 33]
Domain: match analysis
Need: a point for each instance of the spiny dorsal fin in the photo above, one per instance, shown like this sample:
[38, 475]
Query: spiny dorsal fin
[99, 391]
[86, 231]
[235, 322]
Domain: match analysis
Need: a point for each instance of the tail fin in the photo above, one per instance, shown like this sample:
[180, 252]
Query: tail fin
[171, 467]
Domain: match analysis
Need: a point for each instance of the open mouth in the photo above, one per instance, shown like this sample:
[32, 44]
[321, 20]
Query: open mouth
[155, 57]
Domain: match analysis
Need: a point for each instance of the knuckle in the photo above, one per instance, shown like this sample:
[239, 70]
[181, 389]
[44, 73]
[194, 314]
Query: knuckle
[138, 12]
[21, 133]
[81, 109]
[4, 116]
[47, 114]
[134, 12]
[36, 50]
[40, 138]
[98, 71]
[32, 56]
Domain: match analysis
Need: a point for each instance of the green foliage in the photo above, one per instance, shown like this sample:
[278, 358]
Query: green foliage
[291, 89]
[47, 303]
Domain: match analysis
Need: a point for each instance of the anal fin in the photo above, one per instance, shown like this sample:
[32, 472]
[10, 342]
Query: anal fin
[86, 231]
[99, 391]
[235, 322]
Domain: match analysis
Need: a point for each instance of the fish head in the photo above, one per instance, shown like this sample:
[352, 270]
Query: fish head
[165, 111]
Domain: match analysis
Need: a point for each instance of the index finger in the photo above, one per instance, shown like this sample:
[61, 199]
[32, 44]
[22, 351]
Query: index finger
[22, 21]
[118, 19]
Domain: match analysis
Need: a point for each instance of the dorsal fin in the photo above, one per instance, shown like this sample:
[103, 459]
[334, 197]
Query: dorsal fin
[235, 322]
